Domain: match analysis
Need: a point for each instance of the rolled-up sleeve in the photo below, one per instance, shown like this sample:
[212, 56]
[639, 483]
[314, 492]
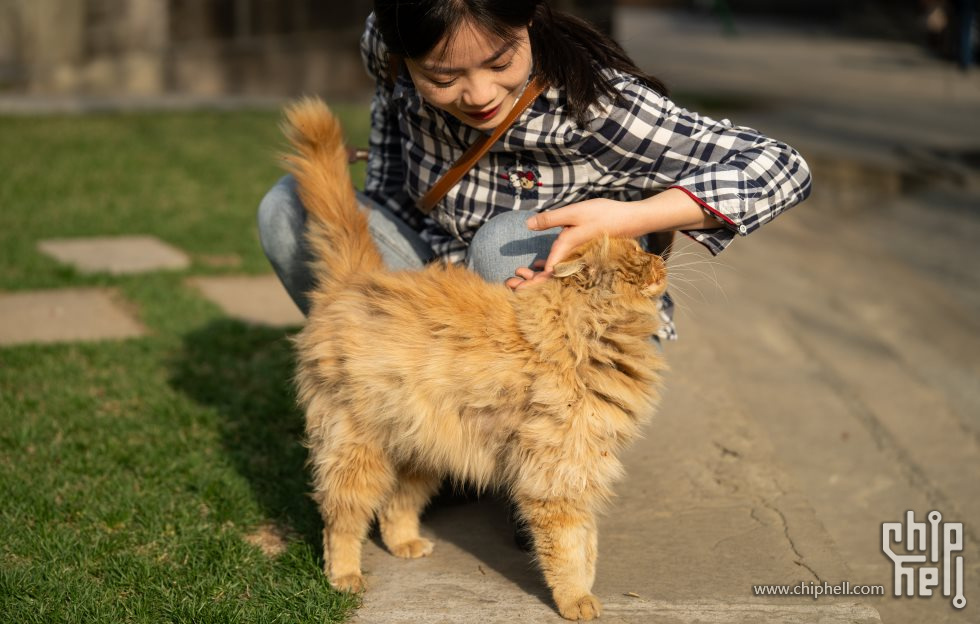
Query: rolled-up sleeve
[645, 143]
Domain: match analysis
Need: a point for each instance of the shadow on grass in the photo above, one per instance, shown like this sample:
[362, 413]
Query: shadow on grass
[245, 372]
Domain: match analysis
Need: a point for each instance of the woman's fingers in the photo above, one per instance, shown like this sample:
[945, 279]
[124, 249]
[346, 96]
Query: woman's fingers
[569, 239]
[524, 273]
[537, 279]
[527, 277]
[559, 217]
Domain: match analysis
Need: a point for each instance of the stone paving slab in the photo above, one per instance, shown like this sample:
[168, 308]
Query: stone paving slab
[255, 299]
[117, 255]
[64, 315]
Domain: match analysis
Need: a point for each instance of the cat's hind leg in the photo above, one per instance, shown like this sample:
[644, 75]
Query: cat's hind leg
[399, 517]
[351, 481]
[564, 534]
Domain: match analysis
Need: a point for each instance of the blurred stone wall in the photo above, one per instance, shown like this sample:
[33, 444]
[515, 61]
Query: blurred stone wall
[200, 47]
[79, 46]
[196, 47]
[269, 46]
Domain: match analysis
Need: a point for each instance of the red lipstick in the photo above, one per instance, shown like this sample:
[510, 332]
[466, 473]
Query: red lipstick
[483, 115]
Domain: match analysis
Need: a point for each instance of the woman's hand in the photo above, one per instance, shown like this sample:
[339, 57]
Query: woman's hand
[580, 223]
[584, 221]
[528, 277]
[672, 209]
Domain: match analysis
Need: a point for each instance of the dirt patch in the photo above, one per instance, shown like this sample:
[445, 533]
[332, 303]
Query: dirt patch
[270, 538]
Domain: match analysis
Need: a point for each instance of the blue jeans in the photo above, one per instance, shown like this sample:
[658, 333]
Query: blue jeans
[500, 247]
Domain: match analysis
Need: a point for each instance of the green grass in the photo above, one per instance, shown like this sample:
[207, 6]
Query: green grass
[132, 471]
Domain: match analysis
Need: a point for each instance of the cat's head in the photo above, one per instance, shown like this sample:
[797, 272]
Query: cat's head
[616, 265]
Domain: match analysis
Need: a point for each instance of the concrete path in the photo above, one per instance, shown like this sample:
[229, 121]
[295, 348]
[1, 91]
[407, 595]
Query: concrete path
[874, 101]
[849, 328]
[824, 386]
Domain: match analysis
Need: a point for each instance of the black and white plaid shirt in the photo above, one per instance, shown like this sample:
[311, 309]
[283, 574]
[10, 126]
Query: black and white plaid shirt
[628, 151]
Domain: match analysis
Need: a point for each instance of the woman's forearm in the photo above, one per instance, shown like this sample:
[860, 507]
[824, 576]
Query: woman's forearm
[671, 210]
[667, 211]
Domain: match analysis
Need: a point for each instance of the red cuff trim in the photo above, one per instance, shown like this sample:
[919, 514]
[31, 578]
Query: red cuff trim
[705, 206]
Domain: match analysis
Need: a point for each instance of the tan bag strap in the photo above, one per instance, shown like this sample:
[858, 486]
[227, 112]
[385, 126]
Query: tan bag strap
[476, 151]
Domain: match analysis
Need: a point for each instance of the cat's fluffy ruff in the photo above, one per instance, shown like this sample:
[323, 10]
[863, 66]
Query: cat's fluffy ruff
[412, 376]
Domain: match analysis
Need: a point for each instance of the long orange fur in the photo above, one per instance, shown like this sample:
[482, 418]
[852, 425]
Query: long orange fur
[409, 377]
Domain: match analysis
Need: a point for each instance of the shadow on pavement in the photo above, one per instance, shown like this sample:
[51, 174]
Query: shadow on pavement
[480, 524]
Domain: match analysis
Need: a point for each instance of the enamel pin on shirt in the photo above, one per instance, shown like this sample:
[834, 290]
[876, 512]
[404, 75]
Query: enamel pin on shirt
[524, 180]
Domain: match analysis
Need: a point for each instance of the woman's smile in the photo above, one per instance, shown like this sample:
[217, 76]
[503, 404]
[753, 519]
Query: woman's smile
[473, 75]
[484, 115]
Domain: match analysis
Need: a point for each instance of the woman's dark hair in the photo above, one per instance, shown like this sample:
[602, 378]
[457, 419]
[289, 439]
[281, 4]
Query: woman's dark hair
[567, 51]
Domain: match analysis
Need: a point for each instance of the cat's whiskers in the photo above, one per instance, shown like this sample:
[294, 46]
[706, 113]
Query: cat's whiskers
[690, 283]
[711, 277]
[699, 265]
[690, 257]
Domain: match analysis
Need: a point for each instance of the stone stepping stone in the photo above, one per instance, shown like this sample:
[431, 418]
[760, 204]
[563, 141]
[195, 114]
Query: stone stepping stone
[117, 255]
[255, 299]
[64, 315]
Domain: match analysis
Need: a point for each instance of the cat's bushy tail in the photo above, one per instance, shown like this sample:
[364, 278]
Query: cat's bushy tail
[337, 233]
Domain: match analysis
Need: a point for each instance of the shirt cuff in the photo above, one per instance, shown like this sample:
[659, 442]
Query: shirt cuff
[729, 212]
[714, 240]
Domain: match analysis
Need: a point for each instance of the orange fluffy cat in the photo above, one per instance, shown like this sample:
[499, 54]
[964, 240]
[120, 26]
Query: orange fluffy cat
[410, 377]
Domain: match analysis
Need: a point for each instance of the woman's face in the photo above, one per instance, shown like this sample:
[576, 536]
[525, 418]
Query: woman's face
[475, 76]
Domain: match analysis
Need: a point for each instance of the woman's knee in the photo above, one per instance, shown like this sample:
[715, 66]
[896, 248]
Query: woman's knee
[504, 244]
[280, 220]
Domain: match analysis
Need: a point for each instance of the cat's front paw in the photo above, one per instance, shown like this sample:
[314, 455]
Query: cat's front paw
[413, 549]
[351, 583]
[585, 608]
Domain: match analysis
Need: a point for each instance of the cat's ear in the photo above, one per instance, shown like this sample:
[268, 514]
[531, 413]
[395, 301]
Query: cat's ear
[654, 289]
[656, 277]
[564, 269]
